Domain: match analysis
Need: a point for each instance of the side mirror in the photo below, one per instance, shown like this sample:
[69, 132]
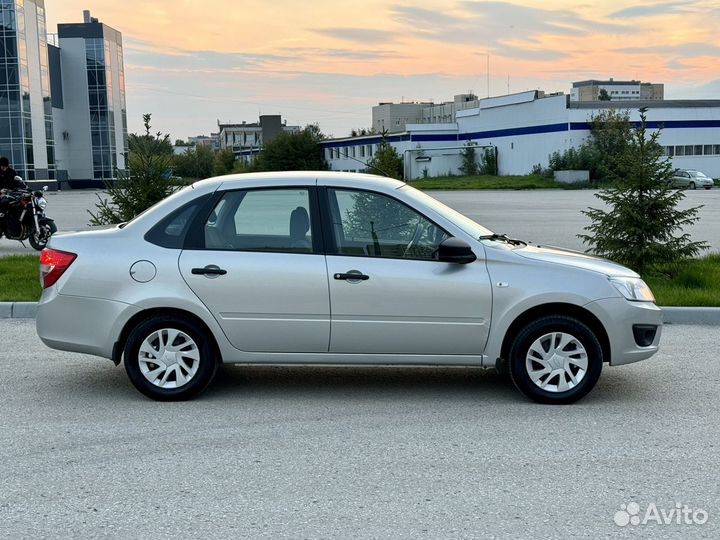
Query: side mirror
[454, 250]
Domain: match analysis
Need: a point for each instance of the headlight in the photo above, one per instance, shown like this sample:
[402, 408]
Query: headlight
[42, 203]
[634, 289]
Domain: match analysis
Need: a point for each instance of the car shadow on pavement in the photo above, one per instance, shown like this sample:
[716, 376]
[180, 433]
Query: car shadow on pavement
[361, 382]
[459, 384]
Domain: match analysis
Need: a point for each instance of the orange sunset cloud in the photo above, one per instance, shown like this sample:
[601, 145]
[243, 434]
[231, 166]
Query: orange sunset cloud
[193, 62]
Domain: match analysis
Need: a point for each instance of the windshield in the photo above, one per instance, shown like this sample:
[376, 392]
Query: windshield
[463, 222]
[697, 174]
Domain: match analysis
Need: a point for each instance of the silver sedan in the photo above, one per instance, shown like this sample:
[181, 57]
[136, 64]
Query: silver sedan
[330, 268]
[691, 179]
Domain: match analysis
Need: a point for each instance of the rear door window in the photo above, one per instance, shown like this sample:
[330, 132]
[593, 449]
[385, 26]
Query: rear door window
[274, 220]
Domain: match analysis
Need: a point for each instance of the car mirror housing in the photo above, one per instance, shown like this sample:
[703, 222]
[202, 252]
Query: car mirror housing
[454, 250]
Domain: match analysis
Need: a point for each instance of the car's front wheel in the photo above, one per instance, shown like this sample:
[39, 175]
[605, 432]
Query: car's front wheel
[691, 185]
[555, 359]
[169, 358]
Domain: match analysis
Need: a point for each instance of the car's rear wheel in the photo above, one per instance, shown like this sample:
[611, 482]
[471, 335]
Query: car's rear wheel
[169, 358]
[691, 185]
[555, 359]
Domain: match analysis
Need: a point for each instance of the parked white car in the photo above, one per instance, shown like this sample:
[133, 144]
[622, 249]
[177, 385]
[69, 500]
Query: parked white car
[323, 268]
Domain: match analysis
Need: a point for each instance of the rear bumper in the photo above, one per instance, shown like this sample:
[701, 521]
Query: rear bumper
[81, 324]
[618, 316]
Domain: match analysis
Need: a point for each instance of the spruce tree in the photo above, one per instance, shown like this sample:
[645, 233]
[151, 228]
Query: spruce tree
[144, 183]
[387, 162]
[643, 226]
[469, 166]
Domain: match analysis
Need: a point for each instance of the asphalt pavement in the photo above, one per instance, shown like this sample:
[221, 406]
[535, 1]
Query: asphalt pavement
[553, 217]
[355, 453]
[550, 217]
[68, 208]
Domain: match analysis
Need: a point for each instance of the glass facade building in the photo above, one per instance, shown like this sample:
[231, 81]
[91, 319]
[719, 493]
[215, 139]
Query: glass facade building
[96, 103]
[102, 117]
[26, 124]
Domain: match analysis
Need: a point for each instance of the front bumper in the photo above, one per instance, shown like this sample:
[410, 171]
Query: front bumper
[618, 316]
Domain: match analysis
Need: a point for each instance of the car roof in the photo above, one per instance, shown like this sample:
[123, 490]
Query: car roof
[309, 178]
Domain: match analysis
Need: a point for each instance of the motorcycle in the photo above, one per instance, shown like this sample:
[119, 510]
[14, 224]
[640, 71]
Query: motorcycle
[22, 217]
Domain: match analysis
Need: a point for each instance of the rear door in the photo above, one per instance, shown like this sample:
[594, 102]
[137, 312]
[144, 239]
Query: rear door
[258, 266]
[681, 179]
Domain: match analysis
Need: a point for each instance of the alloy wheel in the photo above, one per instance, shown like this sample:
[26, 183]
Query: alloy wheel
[556, 362]
[169, 358]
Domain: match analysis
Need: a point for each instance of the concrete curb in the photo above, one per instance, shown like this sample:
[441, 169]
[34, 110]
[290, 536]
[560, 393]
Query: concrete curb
[707, 316]
[18, 310]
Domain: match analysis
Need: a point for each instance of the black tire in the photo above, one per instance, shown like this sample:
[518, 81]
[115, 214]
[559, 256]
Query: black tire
[40, 241]
[207, 362]
[533, 331]
[691, 185]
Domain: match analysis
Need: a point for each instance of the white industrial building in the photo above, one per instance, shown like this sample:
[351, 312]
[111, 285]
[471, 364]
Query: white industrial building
[526, 128]
[212, 142]
[394, 117]
[616, 90]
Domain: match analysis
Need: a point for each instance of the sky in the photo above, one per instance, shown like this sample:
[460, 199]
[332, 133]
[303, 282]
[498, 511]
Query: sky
[192, 63]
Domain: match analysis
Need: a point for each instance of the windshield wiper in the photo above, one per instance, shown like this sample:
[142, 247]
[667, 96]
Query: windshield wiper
[503, 238]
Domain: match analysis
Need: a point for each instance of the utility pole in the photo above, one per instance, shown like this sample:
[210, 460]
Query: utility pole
[487, 71]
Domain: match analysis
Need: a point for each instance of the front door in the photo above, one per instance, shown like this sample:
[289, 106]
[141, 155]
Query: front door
[388, 292]
[261, 271]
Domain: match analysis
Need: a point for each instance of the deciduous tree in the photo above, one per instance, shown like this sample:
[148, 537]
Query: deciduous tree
[299, 151]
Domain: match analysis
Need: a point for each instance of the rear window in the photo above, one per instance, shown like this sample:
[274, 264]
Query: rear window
[170, 231]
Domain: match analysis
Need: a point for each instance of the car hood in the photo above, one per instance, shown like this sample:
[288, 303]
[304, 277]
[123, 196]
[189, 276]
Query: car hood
[575, 259]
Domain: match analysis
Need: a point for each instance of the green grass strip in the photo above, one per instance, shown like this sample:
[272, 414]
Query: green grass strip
[20, 278]
[694, 283]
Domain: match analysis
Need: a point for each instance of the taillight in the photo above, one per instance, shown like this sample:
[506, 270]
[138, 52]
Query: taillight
[53, 264]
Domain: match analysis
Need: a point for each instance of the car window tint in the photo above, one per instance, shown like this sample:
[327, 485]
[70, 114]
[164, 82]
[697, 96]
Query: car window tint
[374, 225]
[177, 225]
[275, 220]
[170, 231]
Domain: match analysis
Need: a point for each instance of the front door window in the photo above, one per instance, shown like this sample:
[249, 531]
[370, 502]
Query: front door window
[374, 225]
